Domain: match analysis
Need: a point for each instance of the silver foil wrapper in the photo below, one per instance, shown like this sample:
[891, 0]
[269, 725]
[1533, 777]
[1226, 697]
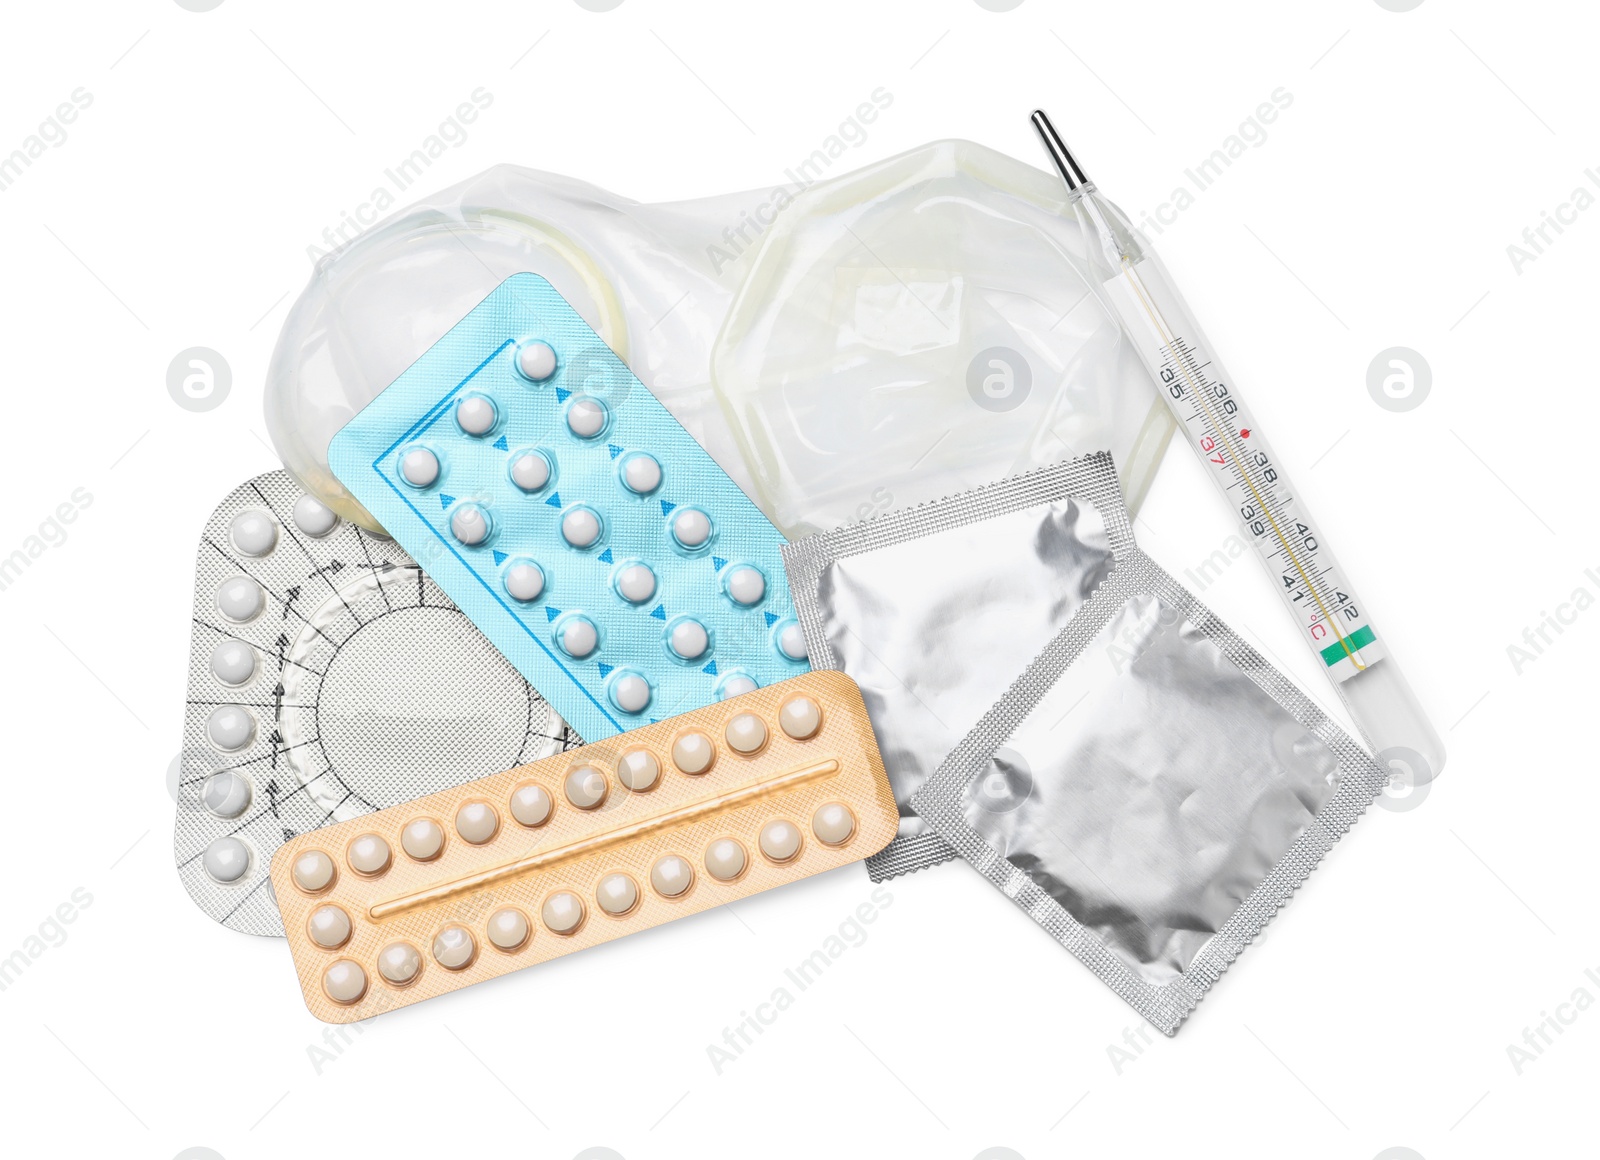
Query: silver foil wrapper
[1150, 791]
[933, 610]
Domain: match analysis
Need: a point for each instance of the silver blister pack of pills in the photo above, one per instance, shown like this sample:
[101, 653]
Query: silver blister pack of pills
[328, 677]
[935, 609]
[1150, 791]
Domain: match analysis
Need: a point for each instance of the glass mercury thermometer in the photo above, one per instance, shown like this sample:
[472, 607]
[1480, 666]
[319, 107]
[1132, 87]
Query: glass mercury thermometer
[1332, 620]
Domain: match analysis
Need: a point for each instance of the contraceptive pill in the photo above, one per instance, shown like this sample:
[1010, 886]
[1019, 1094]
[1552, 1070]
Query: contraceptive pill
[328, 677]
[594, 844]
[572, 518]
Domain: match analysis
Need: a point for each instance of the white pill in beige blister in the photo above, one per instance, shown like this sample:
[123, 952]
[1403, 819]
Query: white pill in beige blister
[508, 928]
[226, 859]
[800, 718]
[780, 840]
[536, 361]
[477, 822]
[400, 963]
[833, 823]
[328, 927]
[671, 876]
[422, 839]
[691, 527]
[562, 912]
[746, 585]
[233, 662]
[240, 599]
[530, 471]
[639, 770]
[616, 894]
[230, 727]
[585, 787]
[693, 752]
[454, 948]
[254, 532]
[530, 805]
[476, 415]
[313, 871]
[369, 854]
[419, 467]
[344, 982]
[746, 733]
[586, 418]
[725, 859]
[313, 517]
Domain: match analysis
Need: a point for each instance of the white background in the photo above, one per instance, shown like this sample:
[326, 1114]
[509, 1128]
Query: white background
[1378, 1010]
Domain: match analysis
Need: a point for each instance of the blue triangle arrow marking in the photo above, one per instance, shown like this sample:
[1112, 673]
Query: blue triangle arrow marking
[771, 619]
[605, 669]
[500, 444]
[550, 614]
[660, 612]
[718, 563]
[666, 508]
[554, 500]
[711, 667]
[562, 394]
[499, 556]
[606, 556]
[446, 500]
[614, 449]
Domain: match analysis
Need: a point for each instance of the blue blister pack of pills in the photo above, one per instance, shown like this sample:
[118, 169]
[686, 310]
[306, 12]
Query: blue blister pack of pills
[571, 517]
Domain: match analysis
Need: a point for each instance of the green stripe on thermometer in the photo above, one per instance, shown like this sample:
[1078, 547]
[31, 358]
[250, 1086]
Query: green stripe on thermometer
[1333, 622]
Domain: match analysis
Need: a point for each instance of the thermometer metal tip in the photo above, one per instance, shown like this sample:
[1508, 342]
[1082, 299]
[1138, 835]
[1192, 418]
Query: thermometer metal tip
[1067, 165]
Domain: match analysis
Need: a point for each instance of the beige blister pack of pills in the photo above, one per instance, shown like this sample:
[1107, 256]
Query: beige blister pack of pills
[577, 849]
[328, 677]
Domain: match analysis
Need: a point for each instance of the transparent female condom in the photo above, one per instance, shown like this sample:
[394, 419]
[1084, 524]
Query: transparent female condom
[891, 335]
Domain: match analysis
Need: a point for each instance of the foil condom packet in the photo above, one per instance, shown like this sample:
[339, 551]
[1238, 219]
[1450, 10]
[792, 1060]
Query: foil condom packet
[1150, 791]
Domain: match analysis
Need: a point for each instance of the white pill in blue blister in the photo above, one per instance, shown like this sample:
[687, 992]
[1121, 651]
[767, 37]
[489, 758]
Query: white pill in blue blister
[691, 527]
[630, 692]
[736, 686]
[641, 473]
[586, 418]
[580, 527]
[476, 415]
[689, 639]
[792, 641]
[469, 524]
[536, 361]
[530, 471]
[746, 585]
[419, 467]
[636, 583]
[233, 662]
[525, 581]
[240, 598]
[577, 636]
